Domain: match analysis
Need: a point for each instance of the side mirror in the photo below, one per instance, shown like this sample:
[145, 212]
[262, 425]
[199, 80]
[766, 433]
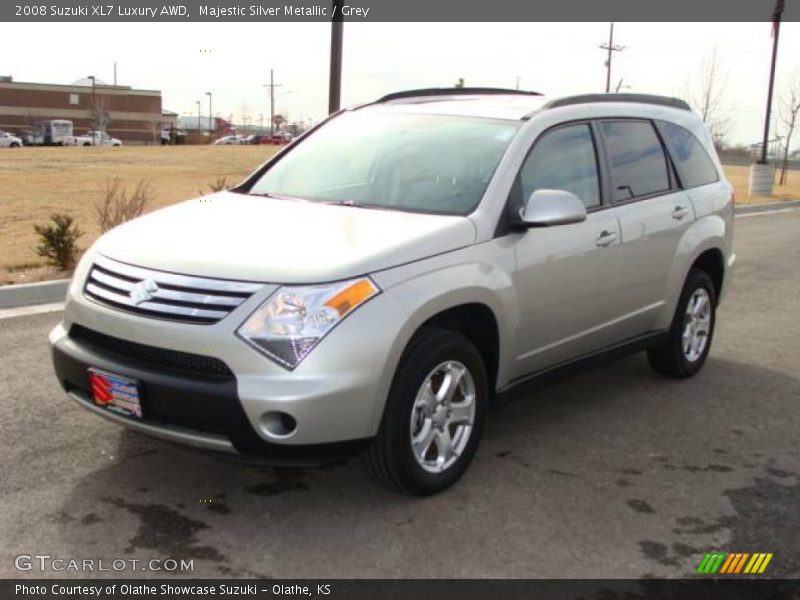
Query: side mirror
[552, 207]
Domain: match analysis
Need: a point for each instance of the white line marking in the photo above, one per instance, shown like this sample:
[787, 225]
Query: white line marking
[761, 213]
[24, 311]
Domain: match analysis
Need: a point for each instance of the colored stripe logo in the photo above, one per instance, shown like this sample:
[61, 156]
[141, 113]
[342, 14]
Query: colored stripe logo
[734, 563]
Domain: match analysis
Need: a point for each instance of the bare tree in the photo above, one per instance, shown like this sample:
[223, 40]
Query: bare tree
[100, 118]
[789, 114]
[706, 97]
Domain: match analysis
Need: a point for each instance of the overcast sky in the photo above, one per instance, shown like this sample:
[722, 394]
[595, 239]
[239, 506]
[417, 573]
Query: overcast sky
[232, 60]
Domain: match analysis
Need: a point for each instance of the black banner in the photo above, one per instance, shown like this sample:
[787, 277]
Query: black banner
[177, 589]
[394, 11]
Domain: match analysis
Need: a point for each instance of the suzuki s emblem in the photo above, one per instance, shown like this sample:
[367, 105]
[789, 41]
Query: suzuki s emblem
[143, 291]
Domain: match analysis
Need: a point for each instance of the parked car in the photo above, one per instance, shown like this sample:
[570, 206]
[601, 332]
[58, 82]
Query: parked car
[9, 141]
[257, 139]
[92, 138]
[280, 137]
[229, 140]
[179, 137]
[402, 268]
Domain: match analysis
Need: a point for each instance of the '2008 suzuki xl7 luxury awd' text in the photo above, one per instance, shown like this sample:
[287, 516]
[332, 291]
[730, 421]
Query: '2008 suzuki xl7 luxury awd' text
[383, 279]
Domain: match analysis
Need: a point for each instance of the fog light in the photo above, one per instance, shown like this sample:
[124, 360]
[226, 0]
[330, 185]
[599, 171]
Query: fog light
[278, 424]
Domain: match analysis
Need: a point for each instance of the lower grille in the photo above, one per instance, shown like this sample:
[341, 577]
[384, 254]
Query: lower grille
[151, 357]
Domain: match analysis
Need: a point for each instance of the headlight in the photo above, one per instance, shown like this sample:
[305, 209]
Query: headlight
[295, 318]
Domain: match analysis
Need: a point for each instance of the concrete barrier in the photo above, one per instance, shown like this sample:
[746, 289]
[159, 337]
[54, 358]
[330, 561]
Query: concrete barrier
[762, 177]
[25, 294]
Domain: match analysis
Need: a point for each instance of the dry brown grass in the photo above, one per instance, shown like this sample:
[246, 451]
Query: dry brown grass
[740, 177]
[37, 182]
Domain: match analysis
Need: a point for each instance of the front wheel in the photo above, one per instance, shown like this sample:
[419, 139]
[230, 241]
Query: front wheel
[434, 415]
[689, 339]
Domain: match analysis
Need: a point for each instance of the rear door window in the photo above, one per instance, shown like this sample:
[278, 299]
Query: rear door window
[638, 163]
[694, 165]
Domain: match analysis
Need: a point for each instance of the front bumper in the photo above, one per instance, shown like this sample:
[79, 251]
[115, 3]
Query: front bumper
[205, 414]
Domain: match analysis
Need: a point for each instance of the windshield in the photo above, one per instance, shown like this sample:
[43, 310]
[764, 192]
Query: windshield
[422, 163]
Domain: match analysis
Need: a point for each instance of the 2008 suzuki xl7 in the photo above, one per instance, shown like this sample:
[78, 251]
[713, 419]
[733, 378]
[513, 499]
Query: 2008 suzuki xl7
[381, 280]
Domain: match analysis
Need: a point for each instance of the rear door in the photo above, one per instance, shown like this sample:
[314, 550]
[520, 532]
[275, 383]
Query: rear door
[653, 211]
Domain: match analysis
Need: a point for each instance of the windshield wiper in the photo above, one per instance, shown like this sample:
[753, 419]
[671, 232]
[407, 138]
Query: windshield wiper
[356, 204]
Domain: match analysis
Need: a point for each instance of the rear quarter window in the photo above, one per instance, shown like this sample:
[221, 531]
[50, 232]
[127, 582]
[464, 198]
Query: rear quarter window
[694, 165]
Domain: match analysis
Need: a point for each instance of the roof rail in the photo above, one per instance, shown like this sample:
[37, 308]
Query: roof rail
[637, 98]
[466, 91]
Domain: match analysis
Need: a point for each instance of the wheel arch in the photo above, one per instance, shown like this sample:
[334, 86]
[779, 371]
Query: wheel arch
[704, 244]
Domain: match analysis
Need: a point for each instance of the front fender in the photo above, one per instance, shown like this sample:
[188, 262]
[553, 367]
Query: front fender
[479, 274]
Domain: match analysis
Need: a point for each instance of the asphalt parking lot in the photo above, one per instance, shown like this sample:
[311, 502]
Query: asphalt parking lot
[613, 473]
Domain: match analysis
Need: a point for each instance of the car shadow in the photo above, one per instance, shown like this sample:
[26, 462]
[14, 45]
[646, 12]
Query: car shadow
[605, 427]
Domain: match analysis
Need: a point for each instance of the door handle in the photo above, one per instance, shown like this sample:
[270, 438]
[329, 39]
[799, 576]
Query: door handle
[606, 239]
[679, 212]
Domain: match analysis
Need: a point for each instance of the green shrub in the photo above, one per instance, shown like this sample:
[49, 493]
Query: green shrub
[59, 241]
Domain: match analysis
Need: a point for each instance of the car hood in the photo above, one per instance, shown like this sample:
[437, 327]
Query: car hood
[243, 237]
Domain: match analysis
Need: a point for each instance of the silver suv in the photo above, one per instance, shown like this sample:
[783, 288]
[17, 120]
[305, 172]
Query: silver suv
[386, 277]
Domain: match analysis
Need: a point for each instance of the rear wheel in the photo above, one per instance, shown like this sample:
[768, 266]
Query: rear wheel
[434, 415]
[14, 145]
[689, 340]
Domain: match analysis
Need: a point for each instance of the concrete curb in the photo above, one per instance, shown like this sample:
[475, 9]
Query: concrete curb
[780, 205]
[48, 292]
[26, 294]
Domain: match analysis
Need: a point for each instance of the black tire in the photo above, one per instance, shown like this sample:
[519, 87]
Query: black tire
[390, 458]
[87, 144]
[14, 145]
[669, 358]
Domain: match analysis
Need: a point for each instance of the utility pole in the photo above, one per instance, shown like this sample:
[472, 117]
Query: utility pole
[199, 118]
[776, 29]
[272, 85]
[335, 84]
[517, 81]
[115, 73]
[611, 49]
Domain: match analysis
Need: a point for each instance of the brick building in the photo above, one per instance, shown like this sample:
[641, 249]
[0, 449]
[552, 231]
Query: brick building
[134, 116]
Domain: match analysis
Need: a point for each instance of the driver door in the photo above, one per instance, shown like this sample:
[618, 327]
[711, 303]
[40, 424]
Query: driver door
[568, 276]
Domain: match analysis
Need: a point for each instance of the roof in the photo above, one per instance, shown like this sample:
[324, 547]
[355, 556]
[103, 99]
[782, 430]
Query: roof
[505, 104]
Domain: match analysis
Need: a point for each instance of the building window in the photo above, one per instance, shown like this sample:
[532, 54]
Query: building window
[74, 99]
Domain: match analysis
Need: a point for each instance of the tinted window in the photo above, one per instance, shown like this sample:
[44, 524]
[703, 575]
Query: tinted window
[563, 159]
[370, 157]
[692, 161]
[638, 163]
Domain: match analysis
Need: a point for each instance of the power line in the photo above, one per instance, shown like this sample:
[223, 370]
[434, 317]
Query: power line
[611, 48]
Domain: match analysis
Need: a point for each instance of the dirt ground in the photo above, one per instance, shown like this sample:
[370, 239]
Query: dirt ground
[37, 182]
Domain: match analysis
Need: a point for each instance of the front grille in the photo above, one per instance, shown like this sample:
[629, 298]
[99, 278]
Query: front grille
[165, 295]
[150, 357]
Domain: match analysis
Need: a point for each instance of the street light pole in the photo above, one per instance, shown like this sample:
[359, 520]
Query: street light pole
[92, 113]
[210, 117]
[199, 118]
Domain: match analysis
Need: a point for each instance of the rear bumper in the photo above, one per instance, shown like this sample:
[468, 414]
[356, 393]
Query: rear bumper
[205, 414]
